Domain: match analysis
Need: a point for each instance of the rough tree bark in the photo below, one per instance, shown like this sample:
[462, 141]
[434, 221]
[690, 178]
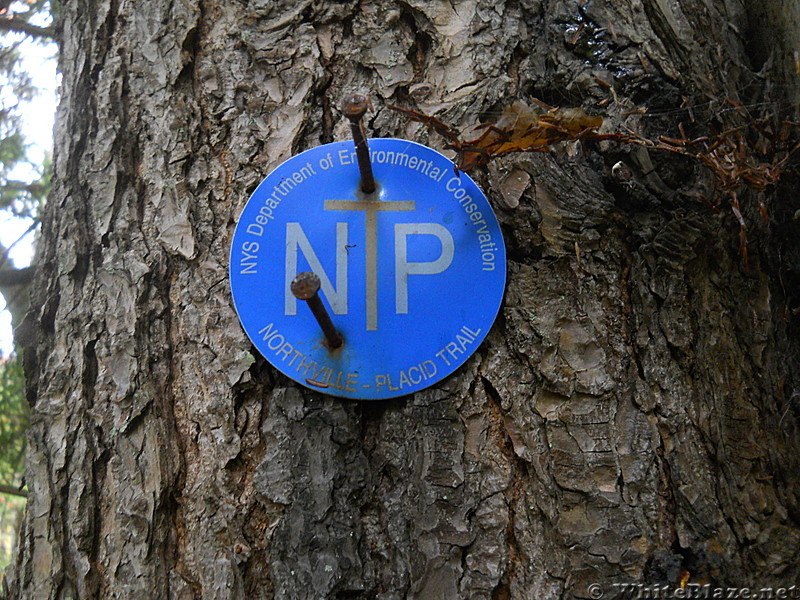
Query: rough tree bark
[632, 415]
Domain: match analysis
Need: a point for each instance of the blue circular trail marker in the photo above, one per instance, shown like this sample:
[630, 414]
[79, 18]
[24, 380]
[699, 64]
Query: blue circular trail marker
[412, 275]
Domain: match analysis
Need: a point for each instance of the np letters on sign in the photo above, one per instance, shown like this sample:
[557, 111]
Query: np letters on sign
[337, 295]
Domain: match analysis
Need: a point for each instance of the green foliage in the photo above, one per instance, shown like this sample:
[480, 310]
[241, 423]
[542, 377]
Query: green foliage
[24, 182]
[24, 198]
[13, 421]
[10, 512]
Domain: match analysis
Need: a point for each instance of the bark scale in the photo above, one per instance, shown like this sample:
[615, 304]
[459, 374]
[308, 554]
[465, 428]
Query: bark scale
[631, 416]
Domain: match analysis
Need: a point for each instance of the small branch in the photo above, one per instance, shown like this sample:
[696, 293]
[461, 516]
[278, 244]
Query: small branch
[4, 251]
[7, 489]
[34, 188]
[25, 27]
[12, 277]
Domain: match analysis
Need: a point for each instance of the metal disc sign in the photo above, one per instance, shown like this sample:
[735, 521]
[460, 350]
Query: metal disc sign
[412, 275]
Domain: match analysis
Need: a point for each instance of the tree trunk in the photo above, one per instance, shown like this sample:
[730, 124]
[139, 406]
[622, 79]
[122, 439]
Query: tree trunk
[631, 418]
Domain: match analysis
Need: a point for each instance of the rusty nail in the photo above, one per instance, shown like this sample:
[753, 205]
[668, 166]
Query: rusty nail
[354, 107]
[305, 287]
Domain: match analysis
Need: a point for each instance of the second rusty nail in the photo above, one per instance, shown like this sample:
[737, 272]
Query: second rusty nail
[354, 107]
[305, 287]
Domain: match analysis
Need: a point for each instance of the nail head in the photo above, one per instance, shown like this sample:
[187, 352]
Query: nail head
[305, 285]
[355, 107]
